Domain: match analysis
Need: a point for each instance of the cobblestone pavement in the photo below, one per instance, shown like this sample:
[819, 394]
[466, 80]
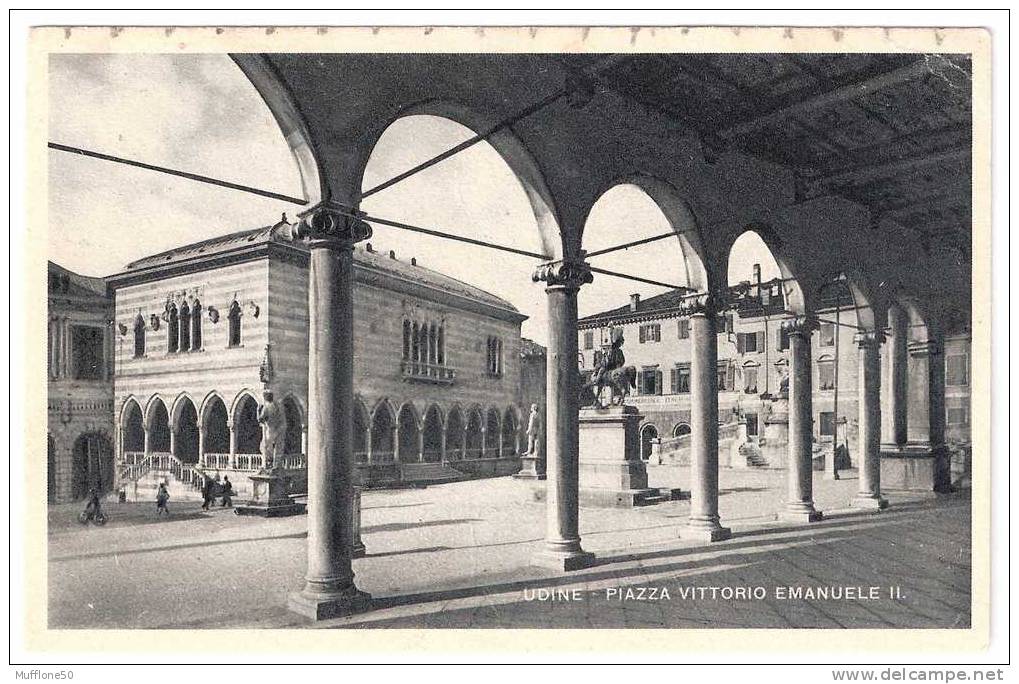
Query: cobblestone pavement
[457, 555]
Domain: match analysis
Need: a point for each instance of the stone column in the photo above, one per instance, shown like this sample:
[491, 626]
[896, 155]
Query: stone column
[201, 445]
[329, 588]
[800, 502]
[233, 443]
[704, 521]
[421, 446]
[894, 382]
[869, 494]
[561, 549]
[442, 445]
[304, 441]
[148, 444]
[922, 357]
[173, 439]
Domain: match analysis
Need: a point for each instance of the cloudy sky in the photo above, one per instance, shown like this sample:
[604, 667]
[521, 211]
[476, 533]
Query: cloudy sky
[199, 113]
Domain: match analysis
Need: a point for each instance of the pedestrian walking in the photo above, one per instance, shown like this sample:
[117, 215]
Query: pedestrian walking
[208, 494]
[228, 493]
[162, 496]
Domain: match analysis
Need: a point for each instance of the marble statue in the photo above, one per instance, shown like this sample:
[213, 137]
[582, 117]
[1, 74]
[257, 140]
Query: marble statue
[533, 431]
[274, 428]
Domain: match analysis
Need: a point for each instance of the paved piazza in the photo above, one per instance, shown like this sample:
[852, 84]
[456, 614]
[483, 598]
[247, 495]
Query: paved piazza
[456, 556]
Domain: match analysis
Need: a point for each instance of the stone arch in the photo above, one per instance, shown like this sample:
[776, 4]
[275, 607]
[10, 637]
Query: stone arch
[455, 428]
[681, 428]
[157, 422]
[185, 429]
[474, 443]
[793, 290]
[493, 433]
[383, 429]
[409, 424]
[293, 439]
[215, 425]
[132, 426]
[511, 431]
[648, 431]
[431, 435]
[247, 429]
[681, 218]
[361, 425]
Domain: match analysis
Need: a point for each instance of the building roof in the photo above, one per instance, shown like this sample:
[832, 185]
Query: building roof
[66, 283]
[529, 348]
[280, 234]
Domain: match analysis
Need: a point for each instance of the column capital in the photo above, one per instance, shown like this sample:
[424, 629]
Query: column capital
[331, 224]
[870, 339]
[924, 348]
[801, 326]
[705, 303]
[564, 274]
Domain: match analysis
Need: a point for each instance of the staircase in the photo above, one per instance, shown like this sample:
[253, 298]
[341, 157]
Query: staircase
[141, 480]
[756, 460]
[429, 473]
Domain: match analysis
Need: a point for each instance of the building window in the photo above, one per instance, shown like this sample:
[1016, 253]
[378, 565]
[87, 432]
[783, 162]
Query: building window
[234, 319]
[680, 429]
[196, 326]
[406, 340]
[956, 370]
[494, 361]
[172, 328]
[650, 332]
[650, 381]
[751, 421]
[185, 327]
[723, 323]
[139, 336]
[781, 338]
[726, 377]
[589, 340]
[827, 423]
[827, 334]
[680, 379]
[958, 416]
[683, 328]
[87, 352]
[750, 379]
[750, 343]
[826, 373]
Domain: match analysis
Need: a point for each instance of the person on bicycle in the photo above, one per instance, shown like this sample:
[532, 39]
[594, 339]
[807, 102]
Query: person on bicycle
[162, 496]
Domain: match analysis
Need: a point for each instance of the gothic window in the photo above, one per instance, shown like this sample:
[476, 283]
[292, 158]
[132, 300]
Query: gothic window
[432, 342]
[826, 373]
[139, 336]
[185, 327]
[234, 320]
[196, 325]
[423, 343]
[415, 345]
[441, 343]
[172, 328]
[493, 364]
[406, 340]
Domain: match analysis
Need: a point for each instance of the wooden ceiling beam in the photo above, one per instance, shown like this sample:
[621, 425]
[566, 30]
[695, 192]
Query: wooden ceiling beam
[867, 172]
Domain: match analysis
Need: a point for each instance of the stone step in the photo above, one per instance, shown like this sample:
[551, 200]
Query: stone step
[429, 472]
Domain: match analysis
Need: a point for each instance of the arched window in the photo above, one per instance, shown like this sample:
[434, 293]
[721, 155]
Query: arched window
[139, 336]
[406, 340]
[432, 355]
[680, 429]
[234, 318]
[415, 348]
[196, 326]
[172, 328]
[423, 343]
[647, 433]
[441, 344]
[185, 327]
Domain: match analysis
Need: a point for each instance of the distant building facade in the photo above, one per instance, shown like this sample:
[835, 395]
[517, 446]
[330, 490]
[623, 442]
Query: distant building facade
[80, 385]
[753, 362]
[203, 328]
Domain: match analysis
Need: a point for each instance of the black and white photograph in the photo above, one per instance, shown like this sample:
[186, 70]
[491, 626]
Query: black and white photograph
[445, 329]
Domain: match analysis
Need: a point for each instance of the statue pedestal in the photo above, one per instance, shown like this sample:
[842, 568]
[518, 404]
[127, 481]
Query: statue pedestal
[612, 473]
[531, 468]
[775, 448]
[269, 497]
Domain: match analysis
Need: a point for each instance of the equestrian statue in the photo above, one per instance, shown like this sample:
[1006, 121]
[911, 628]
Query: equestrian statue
[612, 373]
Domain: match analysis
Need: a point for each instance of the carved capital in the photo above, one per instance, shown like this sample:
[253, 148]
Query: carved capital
[567, 274]
[801, 326]
[925, 348]
[870, 339]
[331, 225]
[705, 304]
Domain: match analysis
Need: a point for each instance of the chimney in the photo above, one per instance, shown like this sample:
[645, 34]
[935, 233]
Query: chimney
[368, 248]
[413, 261]
[634, 301]
[392, 254]
[757, 274]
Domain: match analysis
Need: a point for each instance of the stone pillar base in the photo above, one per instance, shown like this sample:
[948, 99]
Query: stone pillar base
[562, 561]
[269, 497]
[705, 532]
[800, 514]
[916, 467]
[869, 503]
[324, 606]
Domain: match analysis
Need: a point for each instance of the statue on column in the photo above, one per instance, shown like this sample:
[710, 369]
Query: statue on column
[533, 432]
[612, 373]
[274, 428]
